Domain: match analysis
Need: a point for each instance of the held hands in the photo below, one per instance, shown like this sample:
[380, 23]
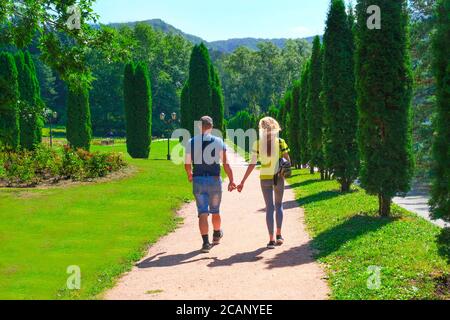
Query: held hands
[240, 187]
[231, 186]
[190, 177]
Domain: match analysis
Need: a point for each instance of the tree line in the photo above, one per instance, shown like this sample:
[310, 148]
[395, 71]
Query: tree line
[350, 114]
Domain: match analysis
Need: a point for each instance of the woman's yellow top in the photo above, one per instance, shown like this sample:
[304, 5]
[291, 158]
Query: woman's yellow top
[269, 163]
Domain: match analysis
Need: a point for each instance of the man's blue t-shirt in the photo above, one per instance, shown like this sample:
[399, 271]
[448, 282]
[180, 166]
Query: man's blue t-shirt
[205, 155]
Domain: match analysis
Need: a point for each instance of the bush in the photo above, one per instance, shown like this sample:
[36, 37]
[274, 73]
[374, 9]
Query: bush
[47, 162]
[29, 168]
[19, 168]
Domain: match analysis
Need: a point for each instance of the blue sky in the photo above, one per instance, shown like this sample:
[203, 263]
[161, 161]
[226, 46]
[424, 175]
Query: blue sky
[224, 19]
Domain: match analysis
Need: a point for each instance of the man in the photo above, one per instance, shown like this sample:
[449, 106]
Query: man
[204, 153]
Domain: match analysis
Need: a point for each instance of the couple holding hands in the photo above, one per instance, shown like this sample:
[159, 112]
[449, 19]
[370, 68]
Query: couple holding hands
[204, 155]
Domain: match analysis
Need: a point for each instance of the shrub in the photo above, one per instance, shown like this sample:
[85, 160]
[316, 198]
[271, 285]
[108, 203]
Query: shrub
[97, 166]
[28, 168]
[72, 164]
[47, 162]
[19, 168]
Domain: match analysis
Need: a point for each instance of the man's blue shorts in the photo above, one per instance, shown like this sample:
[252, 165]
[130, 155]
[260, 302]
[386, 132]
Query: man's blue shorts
[208, 194]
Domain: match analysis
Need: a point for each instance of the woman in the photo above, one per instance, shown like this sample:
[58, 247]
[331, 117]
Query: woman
[270, 149]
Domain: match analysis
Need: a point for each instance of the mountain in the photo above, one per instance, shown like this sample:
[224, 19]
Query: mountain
[160, 25]
[222, 46]
[228, 46]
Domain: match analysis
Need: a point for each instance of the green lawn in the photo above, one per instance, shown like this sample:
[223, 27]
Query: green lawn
[102, 228]
[349, 237]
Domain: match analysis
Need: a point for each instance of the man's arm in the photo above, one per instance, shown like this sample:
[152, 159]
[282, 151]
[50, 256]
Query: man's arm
[228, 171]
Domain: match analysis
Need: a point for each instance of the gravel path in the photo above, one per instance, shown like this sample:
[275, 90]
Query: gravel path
[240, 268]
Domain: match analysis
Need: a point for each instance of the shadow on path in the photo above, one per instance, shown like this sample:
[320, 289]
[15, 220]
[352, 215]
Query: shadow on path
[158, 260]
[246, 257]
[293, 257]
[293, 204]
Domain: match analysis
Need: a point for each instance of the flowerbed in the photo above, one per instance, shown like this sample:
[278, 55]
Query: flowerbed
[46, 165]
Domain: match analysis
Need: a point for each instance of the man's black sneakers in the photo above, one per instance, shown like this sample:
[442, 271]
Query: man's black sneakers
[206, 248]
[271, 245]
[217, 236]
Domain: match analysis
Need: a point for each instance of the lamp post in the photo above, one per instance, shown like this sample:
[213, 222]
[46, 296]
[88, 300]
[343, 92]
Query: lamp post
[168, 122]
[51, 116]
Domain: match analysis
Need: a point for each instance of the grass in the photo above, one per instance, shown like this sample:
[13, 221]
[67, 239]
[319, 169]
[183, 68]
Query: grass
[349, 237]
[58, 131]
[102, 228]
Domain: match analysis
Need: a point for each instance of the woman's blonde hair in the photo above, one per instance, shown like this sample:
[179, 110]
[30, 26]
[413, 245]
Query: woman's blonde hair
[269, 124]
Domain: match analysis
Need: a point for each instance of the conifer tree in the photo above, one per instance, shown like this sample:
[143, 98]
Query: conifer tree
[315, 109]
[440, 202]
[384, 91]
[9, 95]
[202, 94]
[30, 103]
[303, 116]
[339, 97]
[79, 130]
[138, 110]
[294, 124]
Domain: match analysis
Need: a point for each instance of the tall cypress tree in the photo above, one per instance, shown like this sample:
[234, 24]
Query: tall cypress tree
[384, 91]
[186, 114]
[138, 110]
[315, 109]
[286, 115]
[202, 94]
[339, 96]
[200, 84]
[79, 130]
[38, 122]
[9, 94]
[218, 108]
[303, 116]
[294, 124]
[440, 202]
[30, 109]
